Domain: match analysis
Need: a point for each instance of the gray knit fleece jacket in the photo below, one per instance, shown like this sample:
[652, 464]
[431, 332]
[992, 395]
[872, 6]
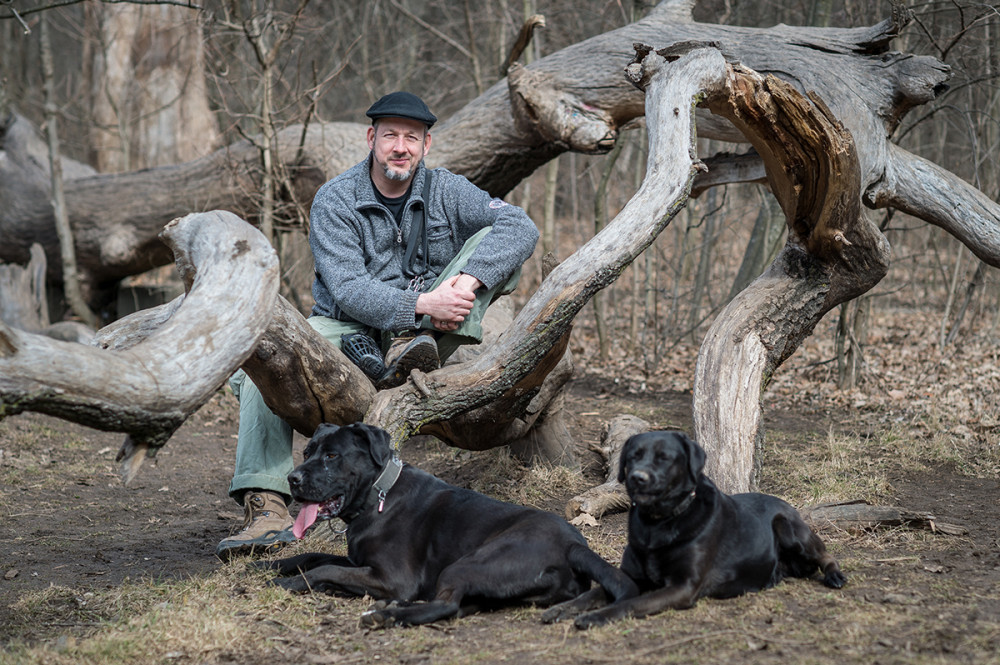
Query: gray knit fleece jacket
[358, 248]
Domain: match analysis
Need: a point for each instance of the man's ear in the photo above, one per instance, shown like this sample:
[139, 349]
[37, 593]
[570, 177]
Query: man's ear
[371, 138]
[378, 443]
[427, 143]
[696, 456]
[324, 430]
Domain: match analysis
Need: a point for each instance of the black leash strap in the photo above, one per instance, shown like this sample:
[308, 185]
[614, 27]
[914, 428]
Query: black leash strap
[418, 229]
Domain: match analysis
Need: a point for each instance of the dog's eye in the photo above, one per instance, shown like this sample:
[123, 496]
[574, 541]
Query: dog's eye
[331, 456]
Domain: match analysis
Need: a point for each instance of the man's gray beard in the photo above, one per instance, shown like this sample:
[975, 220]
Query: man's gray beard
[396, 175]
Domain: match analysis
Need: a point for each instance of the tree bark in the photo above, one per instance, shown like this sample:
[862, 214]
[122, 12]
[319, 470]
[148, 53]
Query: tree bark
[611, 496]
[149, 104]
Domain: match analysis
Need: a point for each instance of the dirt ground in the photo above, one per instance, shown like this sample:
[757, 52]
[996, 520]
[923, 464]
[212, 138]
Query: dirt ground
[913, 596]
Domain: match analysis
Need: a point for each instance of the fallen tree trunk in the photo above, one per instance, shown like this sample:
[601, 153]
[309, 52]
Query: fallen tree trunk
[116, 241]
[611, 496]
[861, 516]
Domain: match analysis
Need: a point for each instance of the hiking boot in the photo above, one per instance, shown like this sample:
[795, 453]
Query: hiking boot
[362, 350]
[266, 527]
[406, 354]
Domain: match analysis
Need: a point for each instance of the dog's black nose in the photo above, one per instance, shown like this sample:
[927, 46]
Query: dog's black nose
[295, 478]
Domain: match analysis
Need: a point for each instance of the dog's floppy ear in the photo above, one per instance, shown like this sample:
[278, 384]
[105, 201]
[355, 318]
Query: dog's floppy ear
[324, 429]
[623, 456]
[378, 443]
[695, 455]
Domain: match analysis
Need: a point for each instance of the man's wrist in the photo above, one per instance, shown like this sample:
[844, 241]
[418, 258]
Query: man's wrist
[469, 281]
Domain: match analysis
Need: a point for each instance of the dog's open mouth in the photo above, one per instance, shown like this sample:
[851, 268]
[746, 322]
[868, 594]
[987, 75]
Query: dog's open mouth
[310, 512]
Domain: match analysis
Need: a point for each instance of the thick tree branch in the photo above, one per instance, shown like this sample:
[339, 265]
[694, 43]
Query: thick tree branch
[925, 190]
[147, 390]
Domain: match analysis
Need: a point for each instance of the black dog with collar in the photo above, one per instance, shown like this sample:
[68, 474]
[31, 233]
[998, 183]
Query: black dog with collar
[417, 538]
[687, 540]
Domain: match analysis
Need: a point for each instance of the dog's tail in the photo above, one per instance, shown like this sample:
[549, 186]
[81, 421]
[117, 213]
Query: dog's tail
[618, 585]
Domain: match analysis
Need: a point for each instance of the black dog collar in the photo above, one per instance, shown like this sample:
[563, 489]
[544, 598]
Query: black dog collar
[385, 480]
[685, 504]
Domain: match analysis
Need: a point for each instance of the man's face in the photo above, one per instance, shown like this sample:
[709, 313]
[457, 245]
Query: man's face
[398, 145]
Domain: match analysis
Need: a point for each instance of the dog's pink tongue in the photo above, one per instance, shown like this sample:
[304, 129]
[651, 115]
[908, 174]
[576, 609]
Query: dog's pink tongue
[305, 518]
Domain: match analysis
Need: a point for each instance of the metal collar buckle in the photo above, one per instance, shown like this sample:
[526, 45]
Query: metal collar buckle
[416, 284]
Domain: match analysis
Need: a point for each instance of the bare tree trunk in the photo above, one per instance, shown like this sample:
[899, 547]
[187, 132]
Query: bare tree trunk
[549, 217]
[600, 221]
[148, 100]
[23, 303]
[764, 239]
[704, 264]
[975, 284]
[67, 246]
[834, 253]
[852, 327]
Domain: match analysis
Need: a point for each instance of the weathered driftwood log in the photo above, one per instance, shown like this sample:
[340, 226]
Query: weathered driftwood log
[609, 497]
[509, 369]
[834, 253]
[149, 389]
[302, 377]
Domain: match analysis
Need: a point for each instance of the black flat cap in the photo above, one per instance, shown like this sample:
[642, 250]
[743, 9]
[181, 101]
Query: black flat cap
[402, 105]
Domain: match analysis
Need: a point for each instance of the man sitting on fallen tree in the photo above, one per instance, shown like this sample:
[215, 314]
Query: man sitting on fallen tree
[407, 261]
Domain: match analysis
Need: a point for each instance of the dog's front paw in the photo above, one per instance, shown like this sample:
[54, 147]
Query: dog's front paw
[835, 579]
[591, 620]
[377, 618]
[295, 584]
[560, 612]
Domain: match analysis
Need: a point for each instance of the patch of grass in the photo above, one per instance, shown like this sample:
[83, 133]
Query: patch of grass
[837, 467]
[232, 610]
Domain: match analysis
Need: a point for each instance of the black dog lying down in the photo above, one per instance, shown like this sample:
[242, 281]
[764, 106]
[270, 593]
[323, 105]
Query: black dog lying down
[687, 540]
[416, 538]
